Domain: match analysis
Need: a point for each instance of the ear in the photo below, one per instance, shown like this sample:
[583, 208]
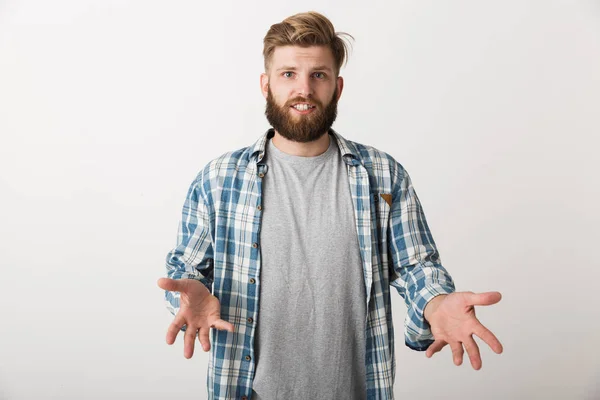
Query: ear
[264, 84]
[340, 86]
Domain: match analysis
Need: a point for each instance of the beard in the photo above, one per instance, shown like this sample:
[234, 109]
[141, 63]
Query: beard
[301, 128]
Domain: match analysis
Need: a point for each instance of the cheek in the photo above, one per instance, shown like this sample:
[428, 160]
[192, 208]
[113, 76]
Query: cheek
[280, 100]
[279, 96]
[326, 94]
[283, 91]
[283, 98]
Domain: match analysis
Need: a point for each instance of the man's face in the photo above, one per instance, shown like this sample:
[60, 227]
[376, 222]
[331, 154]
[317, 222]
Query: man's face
[302, 92]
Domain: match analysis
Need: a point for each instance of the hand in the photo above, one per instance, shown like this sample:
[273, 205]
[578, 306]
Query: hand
[198, 309]
[452, 319]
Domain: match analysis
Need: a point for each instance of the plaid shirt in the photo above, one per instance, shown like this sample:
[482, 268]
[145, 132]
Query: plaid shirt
[219, 245]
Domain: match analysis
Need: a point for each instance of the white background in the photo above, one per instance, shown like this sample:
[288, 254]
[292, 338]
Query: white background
[108, 109]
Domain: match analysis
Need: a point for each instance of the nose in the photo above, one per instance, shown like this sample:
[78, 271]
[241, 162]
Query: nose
[304, 88]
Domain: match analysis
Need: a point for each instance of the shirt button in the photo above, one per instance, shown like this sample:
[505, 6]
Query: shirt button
[259, 207]
[255, 245]
[261, 175]
[250, 320]
[252, 281]
[248, 358]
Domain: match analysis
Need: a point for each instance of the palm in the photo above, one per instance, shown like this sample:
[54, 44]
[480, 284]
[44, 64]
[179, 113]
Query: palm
[455, 315]
[199, 311]
[453, 322]
[199, 307]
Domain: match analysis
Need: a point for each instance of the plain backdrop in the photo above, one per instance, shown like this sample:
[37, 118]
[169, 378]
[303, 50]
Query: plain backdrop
[108, 110]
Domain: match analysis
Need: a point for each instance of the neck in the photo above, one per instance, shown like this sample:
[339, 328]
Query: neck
[309, 149]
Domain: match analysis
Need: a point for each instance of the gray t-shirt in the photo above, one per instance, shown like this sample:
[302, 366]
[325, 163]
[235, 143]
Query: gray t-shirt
[310, 337]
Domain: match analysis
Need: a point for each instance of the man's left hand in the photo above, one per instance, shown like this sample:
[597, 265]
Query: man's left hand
[452, 319]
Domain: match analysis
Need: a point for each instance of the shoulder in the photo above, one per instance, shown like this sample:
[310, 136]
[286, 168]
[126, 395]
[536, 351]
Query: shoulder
[379, 163]
[227, 163]
[223, 170]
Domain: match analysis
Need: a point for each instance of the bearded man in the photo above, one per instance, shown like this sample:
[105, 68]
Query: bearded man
[288, 248]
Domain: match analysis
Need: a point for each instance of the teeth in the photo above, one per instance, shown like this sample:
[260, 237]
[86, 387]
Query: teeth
[302, 107]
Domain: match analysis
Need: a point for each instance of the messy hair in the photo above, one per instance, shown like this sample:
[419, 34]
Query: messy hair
[306, 29]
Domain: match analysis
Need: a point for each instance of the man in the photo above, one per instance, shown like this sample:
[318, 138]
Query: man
[288, 248]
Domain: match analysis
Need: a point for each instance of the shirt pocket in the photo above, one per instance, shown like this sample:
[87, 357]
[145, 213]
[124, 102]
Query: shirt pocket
[381, 213]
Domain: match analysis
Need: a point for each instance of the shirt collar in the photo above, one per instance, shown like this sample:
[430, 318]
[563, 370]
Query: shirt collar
[347, 148]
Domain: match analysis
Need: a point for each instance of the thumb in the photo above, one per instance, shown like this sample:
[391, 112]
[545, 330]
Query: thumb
[175, 285]
[222, 325]
[484, 299]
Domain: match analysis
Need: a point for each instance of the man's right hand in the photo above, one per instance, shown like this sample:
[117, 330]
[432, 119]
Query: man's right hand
[198, 309]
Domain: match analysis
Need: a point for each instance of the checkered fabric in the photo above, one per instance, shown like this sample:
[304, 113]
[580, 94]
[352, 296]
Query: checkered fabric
[219, 244]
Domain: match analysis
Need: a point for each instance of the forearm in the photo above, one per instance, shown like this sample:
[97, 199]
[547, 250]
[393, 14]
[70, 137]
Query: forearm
[192, 257]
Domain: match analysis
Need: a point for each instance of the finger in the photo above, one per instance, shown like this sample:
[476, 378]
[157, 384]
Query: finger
[457, 352]
[484, 299]
[221, 325]
[174, 285]
[473, 352]
[175, 328]
[435, 347]
[488, 337]
[203, 338]
[188, 341]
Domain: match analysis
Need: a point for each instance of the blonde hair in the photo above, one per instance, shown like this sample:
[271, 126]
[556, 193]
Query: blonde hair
[306, 29]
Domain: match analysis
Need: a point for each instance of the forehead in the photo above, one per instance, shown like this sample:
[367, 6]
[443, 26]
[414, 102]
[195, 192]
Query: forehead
[302, 56]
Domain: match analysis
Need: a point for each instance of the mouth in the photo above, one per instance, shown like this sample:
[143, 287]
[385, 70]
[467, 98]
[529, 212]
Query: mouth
[303, 108]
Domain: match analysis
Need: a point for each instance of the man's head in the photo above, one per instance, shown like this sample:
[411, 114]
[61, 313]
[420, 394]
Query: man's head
[303, 56]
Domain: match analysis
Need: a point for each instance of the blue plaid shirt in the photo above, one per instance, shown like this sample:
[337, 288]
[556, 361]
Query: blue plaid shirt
[219, 245]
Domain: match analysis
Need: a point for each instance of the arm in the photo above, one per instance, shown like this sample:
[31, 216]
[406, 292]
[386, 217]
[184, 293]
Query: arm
[417, 271]
[192, 257]
[190, 271]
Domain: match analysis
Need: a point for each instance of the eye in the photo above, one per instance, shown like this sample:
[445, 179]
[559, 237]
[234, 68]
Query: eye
[287, 74]
[319, 75]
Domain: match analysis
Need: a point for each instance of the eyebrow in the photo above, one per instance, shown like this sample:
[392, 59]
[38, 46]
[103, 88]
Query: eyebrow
[319, 68]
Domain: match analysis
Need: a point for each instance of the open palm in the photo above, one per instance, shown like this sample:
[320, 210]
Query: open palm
[199, 310]
[453, 322]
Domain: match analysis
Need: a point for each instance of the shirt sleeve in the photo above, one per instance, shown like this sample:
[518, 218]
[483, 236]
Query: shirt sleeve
[192, 257]
[418, 274]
